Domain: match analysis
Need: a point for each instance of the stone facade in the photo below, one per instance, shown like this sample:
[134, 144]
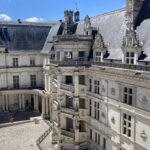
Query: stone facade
[92, 79]
[99, 92]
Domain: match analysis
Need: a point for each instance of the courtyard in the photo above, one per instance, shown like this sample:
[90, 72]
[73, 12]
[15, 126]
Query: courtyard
[24, 136]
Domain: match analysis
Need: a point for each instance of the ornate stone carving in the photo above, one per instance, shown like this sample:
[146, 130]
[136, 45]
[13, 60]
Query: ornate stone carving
[113, 91]
[113, 120]
[144, 103]
[99, 43]
[143, 135]
[130, 40]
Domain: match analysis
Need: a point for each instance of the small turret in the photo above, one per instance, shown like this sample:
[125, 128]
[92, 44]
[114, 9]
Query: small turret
[76, 16]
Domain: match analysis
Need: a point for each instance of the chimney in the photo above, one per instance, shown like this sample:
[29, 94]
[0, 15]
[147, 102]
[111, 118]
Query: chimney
[68, 29]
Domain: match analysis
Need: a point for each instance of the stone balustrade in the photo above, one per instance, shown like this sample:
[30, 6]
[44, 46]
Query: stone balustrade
[67, 133]
[102, 64]
[83, 112]
[67, 87]
[67, 110]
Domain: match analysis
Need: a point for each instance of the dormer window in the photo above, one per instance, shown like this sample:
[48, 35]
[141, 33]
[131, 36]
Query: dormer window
[98, 57]
[129, 57]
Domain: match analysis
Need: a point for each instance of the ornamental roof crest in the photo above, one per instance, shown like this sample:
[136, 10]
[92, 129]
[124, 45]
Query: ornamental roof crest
[99, 43]
[130, 40]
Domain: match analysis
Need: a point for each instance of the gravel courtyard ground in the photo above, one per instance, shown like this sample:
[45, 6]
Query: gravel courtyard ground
[22, 137]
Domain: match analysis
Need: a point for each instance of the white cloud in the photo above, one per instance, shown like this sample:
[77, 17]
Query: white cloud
[34, 19]
[4, 17]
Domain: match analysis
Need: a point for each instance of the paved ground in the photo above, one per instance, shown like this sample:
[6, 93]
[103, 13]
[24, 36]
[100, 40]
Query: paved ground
[18, 116]
[22, 137]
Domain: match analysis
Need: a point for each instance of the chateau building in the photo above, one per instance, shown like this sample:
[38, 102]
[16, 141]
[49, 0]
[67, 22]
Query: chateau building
[91, 77]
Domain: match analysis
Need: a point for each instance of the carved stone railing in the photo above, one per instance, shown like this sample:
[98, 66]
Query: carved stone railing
[67, 133]
[83, 112]
[72, 38]
[67, 87]
[102, 64]
[67, 110]
[124, 66]
[71, 63]
[42, 137]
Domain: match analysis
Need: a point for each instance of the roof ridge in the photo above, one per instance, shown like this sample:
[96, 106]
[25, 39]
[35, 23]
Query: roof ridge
[111, 12]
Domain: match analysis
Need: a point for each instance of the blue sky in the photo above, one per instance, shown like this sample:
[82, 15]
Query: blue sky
[45, 10]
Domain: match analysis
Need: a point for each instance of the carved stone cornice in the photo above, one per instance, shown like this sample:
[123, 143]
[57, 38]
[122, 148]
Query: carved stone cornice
[131, 42]
[125, 76]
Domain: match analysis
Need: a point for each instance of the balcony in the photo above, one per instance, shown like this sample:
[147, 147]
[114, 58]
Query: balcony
[82, 90]
[70, 134]
[83, 136]
[67, 87]
[65, 110]
[101, 64]
[83, 112]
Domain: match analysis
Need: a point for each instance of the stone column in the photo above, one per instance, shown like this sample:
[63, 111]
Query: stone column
[3, 103]
[43, 106]
[46, 105]
[76, 83]
[34, 102]
[20, 101]
[7, 102]
[23, 102]
[136, 59]
[102, 55]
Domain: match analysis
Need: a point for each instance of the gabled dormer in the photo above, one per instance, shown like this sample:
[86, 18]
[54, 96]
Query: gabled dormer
[99, 48]
[132, 48]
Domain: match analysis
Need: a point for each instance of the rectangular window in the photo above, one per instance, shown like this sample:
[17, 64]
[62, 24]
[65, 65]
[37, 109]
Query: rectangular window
[129, 58]
[90, 134]
[90, 85]
[98, 57]
[16, 82]
[15, 62]
[95, 110]
[32, 61]
[90, 107]
[82, 80]
[104, 143]
[127, 125]
[128, 96]
[99, 138]
[96, 87]
[69, 79]
[95, 137]
[81, 55]
[33, 80]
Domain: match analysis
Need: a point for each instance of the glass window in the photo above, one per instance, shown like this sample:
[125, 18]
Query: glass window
[16, 82]
[15, 62]
[129, 58]
[127, 125]
[33, 80]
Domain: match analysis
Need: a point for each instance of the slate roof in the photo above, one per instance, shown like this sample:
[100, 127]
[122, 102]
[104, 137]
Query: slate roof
[49, 41]
[23, 36]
